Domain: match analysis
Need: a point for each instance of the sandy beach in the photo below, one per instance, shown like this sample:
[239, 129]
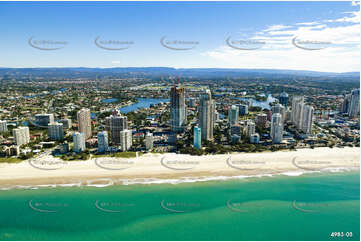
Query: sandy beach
[174, 168]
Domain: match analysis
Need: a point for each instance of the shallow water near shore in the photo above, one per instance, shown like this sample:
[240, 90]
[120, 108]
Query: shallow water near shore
[307, 207]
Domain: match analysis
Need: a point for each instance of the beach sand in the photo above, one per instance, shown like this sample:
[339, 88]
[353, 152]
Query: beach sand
[172, 168]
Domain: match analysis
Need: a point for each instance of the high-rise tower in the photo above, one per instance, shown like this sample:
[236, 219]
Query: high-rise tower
[177, 108]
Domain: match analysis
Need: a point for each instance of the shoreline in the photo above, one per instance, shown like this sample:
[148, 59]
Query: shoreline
[174, 168]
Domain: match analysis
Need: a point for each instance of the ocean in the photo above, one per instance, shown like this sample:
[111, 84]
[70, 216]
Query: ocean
[319, 206]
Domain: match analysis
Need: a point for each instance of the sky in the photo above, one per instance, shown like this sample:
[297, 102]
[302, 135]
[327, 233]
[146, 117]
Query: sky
[317, 36]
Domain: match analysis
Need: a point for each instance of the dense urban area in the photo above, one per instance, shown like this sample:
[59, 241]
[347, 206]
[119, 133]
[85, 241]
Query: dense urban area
[75, 118]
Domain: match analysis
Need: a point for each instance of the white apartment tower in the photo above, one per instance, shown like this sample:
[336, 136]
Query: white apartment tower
[125, 139]
[21, 135]
[276, 128]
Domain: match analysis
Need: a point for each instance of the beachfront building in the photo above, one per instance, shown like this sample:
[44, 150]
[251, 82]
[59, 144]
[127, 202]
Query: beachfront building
[177, 108]
[197, 137]
[3, 126]
[84, 122]
[276, 128]
[114, 124]
[254, 138]
[44, 119]
[307, 116]
[79, 142]
[21, 135]
[103, 143]
[296, 111]
[205, 115]
[233, 115]
[149, 141]
[302, 115]
[56, 131]
[354, 109]
[126, 140]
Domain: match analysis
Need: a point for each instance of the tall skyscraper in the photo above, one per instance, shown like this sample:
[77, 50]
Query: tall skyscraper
[149, 141]
[276, 128]
[115, 124]
[197, 137]
[44, 119]
[79, 142]
[56, 131]
[307, 116]
[84, 122]
[302, 115]
[21, 135]
[296, 111]
[126, 139]
[103, 141]
[205, 115]
[3, 126]
[283, 99]
[345, 107]
[233, 115]
[354, 110]
[177, 108]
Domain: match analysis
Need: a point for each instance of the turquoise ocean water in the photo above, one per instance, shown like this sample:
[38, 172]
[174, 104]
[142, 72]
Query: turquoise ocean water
[308, 207]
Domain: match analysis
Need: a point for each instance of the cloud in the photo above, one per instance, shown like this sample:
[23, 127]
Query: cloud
[308, 23]
[355, 18]
[276, 27]
[341, 55]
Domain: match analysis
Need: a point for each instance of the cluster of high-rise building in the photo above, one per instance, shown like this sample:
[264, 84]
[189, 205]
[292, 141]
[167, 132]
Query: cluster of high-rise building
[207, 114]
[118, 133]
